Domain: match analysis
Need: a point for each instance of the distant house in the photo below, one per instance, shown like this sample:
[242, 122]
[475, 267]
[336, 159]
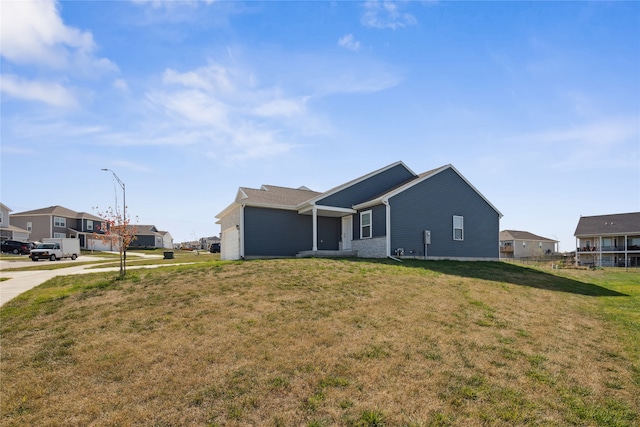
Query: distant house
[8, 231]
[147, 236]
[389, 212]
[608, 240]
[206, 242]
[522, 244]
[58, 221]
[167, 240]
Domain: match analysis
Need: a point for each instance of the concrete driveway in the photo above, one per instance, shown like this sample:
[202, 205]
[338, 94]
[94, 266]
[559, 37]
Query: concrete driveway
[22, 281]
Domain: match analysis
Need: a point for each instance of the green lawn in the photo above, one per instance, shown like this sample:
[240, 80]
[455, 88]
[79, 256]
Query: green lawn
[317, 342]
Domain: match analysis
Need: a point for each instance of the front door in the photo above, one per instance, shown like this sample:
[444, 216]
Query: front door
[347, 232]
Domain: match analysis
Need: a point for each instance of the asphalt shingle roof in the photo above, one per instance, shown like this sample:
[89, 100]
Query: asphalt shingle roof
[59, 211]
[627, 223]
[274, 195]
[522, 235]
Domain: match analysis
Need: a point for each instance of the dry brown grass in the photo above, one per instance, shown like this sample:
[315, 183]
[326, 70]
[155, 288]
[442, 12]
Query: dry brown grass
[319, 342]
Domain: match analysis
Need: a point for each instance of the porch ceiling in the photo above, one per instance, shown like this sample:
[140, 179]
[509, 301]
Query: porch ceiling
[331, 211]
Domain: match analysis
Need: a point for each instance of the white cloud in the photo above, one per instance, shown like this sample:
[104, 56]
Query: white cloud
[609, 143]
[225, 110]
[349, 42]
[385, 15]
[33, 33]
[121, 85]
[210, 78]
[50, 93]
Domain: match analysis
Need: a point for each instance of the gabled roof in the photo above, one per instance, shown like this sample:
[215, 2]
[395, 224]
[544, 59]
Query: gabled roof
[274, 195]
[522, 235]
[60, 211]
[270, 196]
[626, 223]
[5, 207]
[303, 199]
[356, 181]
[145, 230]
[420, 178]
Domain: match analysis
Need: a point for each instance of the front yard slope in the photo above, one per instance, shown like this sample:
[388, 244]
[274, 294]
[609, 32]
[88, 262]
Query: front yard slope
[317, 342]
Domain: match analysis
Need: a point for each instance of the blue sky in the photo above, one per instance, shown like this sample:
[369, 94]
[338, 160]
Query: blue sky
[537, 104]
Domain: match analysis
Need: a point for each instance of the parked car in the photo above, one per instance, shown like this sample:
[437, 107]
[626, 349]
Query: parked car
[16, 247]
[215, 248]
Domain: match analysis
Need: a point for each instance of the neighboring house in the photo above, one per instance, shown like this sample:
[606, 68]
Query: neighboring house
[58, 221]
[167, 240]
[389, 212]
[206, 242]
[147, 236]
[522, 244]
[8, 231]
[608, 240]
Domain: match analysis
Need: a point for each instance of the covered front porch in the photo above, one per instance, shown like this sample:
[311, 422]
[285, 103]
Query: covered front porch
[346, 234]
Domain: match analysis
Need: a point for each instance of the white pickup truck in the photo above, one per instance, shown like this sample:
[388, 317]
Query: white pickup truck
[54, 249]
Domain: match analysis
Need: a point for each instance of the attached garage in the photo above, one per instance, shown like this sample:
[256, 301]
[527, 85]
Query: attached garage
[230, 244]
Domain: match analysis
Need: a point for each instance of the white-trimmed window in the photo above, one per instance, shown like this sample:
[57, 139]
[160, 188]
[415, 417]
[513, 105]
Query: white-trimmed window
[59, 222]
[365, 225]
[89, 224]
[458, 227]
[29, 226]
[59, 235]
[1, 217]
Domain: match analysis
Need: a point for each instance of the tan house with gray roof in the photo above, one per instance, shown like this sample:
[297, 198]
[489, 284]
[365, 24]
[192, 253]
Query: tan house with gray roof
[523, 244]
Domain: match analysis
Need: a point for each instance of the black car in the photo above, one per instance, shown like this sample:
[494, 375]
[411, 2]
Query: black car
[16, 247]
[215, 248]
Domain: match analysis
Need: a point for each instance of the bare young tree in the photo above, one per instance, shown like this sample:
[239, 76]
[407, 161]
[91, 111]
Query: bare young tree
[117, 230]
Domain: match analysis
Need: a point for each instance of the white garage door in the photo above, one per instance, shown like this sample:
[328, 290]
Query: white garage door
[230, 244]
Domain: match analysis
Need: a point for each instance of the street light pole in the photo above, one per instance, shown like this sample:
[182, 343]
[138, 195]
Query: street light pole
[124, 213]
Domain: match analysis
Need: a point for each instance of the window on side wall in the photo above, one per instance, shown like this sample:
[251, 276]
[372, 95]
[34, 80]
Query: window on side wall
[59, 222]
[29, 226]
[59, 235]
[89, 224]
[458, 227]
[365, 225]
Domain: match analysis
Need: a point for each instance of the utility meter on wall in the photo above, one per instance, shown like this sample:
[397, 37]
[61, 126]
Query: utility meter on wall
[427, 237]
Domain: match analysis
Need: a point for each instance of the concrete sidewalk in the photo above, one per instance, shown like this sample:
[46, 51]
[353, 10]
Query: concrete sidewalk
[22, 281]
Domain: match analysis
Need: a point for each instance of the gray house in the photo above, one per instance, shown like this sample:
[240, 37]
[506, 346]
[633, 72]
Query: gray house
[8, 231]
[389, 212]
[148, 236]
[608, 240]
[60, 222]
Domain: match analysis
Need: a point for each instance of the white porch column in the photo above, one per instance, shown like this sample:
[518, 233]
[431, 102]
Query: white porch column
[600, 251]
[315, 229]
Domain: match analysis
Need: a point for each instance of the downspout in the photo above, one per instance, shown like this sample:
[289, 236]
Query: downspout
[241, 231]
[388, 225]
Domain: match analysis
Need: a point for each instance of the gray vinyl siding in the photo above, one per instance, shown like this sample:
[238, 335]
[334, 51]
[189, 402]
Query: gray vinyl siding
[378, 221]
[144, 242]
[369, 188]
[276, 232]
[431, 205]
